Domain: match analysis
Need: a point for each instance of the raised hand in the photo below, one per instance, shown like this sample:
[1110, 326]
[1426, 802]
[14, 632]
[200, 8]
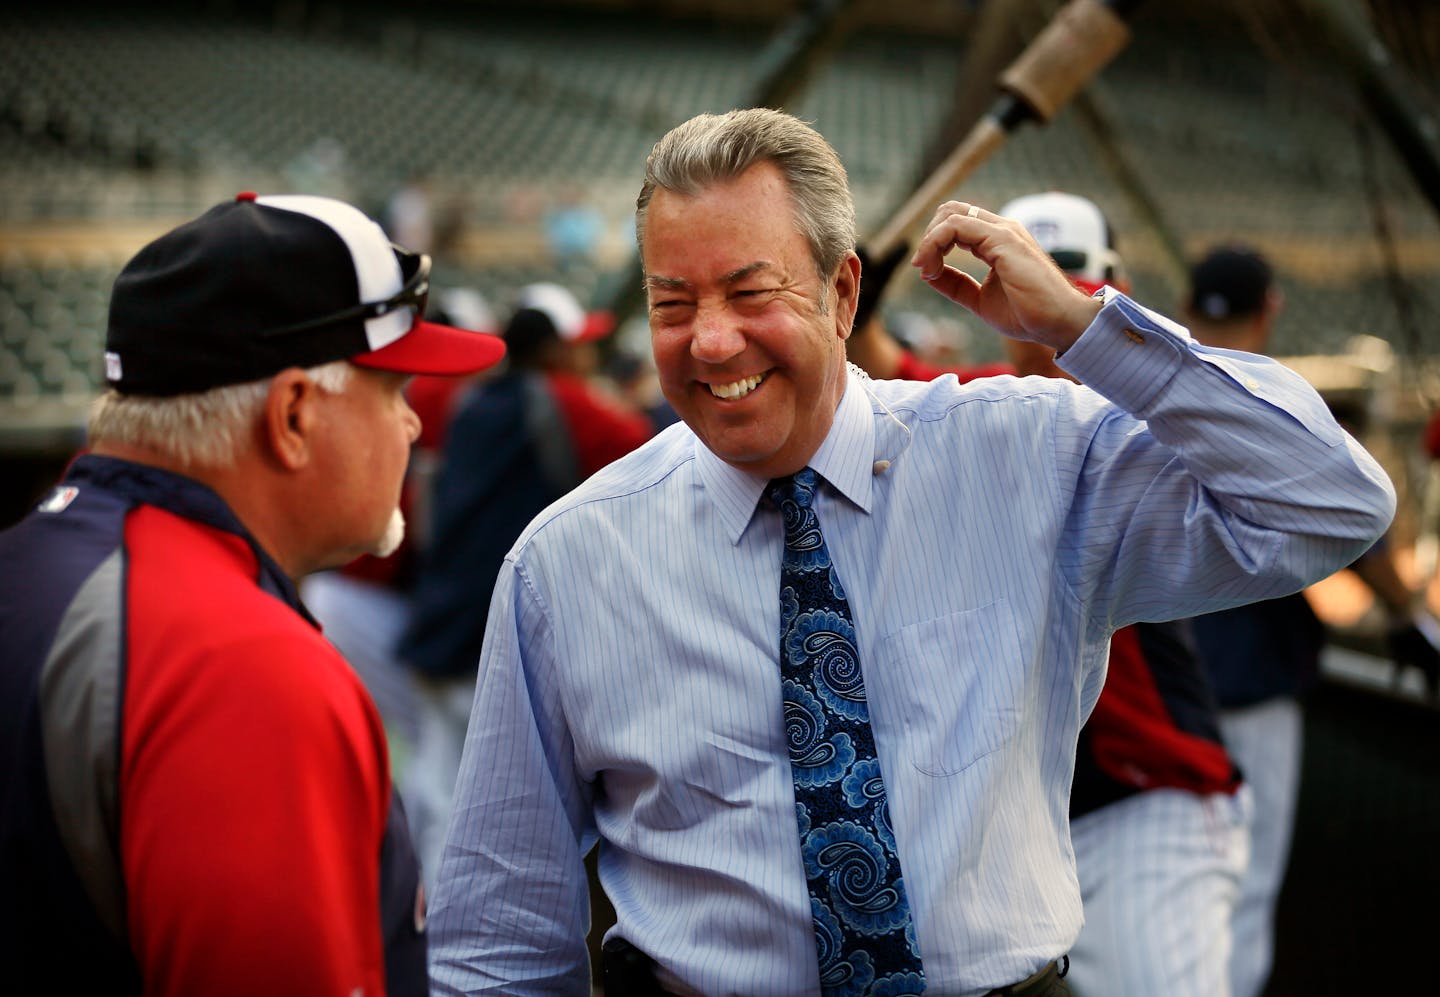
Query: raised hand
[1024, 296]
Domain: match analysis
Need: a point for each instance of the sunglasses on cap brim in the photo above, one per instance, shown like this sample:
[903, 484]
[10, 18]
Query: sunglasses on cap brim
[414, 293]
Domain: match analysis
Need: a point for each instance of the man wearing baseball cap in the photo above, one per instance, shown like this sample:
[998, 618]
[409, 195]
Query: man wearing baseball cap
[1157, 814]
[1264, 657]
[194, 787]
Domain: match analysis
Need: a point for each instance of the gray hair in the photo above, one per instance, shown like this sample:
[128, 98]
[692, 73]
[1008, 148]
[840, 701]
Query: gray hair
[203, 429]
[713, 148]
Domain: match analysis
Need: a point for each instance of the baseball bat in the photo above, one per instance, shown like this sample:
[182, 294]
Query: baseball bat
[1078, 42]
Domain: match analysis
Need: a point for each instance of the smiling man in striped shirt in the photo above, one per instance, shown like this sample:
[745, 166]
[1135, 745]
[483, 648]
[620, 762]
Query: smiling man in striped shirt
[986, 540]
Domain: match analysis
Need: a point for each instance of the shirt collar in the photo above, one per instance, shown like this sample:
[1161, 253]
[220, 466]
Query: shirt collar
[845, 459]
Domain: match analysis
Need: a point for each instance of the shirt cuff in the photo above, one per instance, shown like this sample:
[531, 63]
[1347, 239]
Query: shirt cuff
[1128, 354]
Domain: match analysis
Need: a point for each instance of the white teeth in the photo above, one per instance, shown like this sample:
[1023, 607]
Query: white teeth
[737, 389]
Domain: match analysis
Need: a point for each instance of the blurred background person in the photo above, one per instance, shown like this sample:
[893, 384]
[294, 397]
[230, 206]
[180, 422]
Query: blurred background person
[363, 605]
[634, 375]
[1159, 819]
[1264, 657]
[573, 230]
[879, 348]
[517, 441]
[410, 214]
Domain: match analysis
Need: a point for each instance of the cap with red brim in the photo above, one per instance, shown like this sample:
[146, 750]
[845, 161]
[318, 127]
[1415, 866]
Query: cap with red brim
[431, 348]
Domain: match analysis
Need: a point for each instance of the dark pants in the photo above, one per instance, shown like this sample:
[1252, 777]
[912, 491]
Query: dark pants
[631, 973]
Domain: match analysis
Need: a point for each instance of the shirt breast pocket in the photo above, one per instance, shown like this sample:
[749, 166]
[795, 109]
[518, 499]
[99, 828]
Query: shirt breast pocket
[959, 682]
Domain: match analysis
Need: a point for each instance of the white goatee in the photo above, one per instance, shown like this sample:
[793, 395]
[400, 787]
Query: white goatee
[394, 534]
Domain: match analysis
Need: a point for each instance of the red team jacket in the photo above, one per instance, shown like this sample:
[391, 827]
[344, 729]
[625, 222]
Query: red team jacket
[194, 784]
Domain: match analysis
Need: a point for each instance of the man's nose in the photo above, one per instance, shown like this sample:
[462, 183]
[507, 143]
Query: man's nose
[717, 336]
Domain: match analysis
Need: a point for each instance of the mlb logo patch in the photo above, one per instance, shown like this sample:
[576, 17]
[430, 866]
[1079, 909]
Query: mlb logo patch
[59, 500]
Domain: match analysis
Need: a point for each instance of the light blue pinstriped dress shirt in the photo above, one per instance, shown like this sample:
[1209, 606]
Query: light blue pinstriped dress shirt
[629, 685]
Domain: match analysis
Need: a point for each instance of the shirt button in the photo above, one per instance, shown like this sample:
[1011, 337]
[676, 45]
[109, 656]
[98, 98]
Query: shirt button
[1252, 384]
[1134, 336]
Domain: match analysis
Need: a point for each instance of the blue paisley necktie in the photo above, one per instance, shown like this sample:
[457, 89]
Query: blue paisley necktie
[863, 930]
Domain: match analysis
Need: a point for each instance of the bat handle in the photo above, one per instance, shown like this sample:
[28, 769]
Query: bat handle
[987, 136]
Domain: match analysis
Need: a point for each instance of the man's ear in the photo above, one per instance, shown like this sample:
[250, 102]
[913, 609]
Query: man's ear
[288, 423]
[1274, 302]
[847, 293]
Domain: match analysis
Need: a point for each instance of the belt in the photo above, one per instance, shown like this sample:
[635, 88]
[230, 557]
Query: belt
[628, 972]
[1038, 984]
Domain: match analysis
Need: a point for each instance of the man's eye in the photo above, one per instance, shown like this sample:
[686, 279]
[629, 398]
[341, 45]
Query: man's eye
[671, 310]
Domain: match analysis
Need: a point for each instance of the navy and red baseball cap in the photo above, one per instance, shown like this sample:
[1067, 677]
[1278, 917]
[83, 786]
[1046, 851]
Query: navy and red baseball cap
[259, 284]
